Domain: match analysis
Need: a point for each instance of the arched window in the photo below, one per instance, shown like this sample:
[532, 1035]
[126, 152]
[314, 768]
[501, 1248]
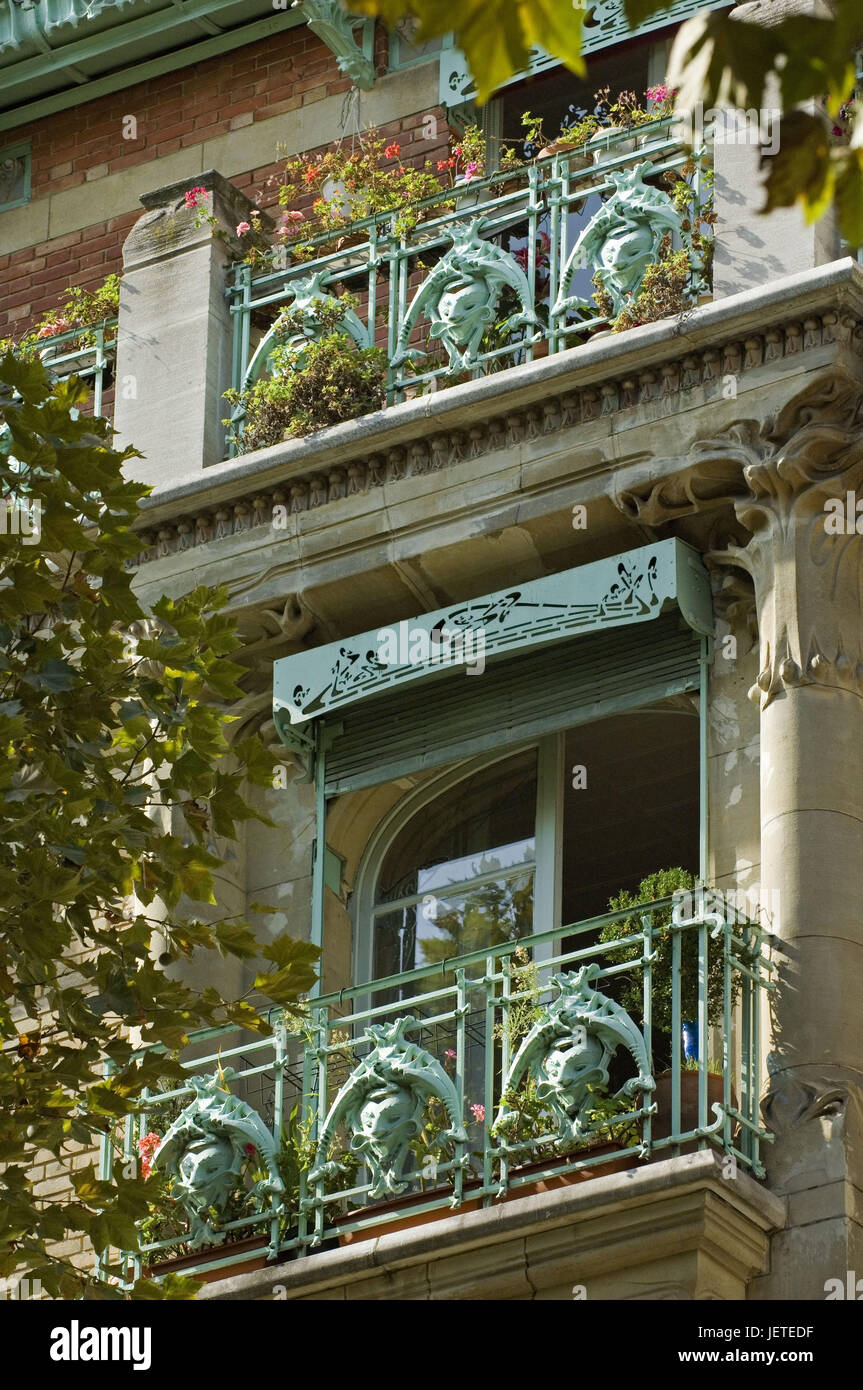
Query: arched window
[495, 851]
[459, 875]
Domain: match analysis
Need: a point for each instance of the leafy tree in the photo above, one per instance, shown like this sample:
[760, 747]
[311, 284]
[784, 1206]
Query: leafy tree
[717, 58]
[108, 742]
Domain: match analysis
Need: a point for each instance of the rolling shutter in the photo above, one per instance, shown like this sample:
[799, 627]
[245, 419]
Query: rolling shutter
[453, 715]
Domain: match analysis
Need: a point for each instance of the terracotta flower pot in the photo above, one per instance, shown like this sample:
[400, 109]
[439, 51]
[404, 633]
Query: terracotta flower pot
[661, 1127]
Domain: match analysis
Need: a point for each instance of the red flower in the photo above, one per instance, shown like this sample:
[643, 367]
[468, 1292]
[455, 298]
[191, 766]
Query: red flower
[147, 1148]
[311, 174]
[442, 164]
[249, 1149]
[392, 151]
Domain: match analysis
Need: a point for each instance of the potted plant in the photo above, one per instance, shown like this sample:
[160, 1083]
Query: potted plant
[329, 380]
[663, 884]
[327, 195]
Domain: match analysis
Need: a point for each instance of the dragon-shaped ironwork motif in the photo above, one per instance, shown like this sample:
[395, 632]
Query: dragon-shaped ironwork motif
[382, 1104]
[205, 1149]
[567, 1052]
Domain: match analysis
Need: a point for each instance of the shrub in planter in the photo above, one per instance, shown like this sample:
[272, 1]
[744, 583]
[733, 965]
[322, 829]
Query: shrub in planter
[663, 884]
[332, 380]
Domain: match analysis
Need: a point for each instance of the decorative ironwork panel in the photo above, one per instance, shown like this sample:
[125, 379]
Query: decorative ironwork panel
[14, 176]
[630, 588]
[604, 24]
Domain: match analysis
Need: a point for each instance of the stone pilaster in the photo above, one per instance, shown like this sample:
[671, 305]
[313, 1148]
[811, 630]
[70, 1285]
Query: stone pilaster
[809, 690]
[174, 334]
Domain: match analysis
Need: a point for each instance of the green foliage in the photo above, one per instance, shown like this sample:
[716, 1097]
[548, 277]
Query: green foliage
[663, 293]
[106, 712]
[664, 884]
[351, 181]
[312, 383]
[495, 35]
[675, 279]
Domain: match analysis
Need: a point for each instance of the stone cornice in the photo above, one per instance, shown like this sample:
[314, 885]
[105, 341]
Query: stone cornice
[659, 364]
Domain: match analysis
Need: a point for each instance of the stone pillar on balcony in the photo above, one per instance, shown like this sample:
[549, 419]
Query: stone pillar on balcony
[806, 568]
[752, 249]
[174, 334]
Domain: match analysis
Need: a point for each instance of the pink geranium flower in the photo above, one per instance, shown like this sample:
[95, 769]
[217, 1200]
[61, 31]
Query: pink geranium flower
[243, 227]
[147, 1148]
[50, 330]
[192, 195]
[478, 1112]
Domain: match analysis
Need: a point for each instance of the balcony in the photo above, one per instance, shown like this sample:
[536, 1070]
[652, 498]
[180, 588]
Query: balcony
[495, 273]
[459, 1086]
[87, 353]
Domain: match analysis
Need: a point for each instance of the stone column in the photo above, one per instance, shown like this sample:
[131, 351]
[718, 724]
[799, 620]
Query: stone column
[809, 596]
[174, 336]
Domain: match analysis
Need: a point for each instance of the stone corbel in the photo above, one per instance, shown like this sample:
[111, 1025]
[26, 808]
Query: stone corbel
[330, 22]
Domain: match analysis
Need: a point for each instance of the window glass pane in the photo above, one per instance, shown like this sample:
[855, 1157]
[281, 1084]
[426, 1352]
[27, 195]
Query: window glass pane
[461, 870]
[484, 814]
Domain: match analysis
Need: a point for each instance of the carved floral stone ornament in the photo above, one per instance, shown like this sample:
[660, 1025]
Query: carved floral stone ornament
[568, 1051]
[622, 239]
[461, 294]
[204, 1152]
[382, 1104]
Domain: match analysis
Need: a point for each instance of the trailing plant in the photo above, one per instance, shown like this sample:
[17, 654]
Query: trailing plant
[608, 1115]
[672, 284]
[352, 181]
[312, 382]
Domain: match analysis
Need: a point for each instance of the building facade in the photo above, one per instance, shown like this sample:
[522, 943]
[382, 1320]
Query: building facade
[575, 612]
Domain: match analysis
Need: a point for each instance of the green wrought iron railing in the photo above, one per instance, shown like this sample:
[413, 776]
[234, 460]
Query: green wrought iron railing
[458, 1085]
[452, 299]
[88, 353]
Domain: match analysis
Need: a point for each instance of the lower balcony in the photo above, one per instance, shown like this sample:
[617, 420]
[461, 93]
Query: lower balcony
[592, 1090]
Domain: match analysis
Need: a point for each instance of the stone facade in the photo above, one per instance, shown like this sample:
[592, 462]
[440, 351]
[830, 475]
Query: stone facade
[729, 426]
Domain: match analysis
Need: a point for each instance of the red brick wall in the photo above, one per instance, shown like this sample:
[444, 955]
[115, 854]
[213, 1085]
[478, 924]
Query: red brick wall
[182, 108]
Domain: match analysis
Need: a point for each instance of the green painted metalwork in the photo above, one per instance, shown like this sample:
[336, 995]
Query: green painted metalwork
[42, 77]
[568, 1051]
[64, 355]
[338, 29]
[604, 216]
[204, 1151]
[15, 168]
[623, 238]
[460, 297]
[362, 1074]
[634, 587]
[309, 293]
[382, 1103]
[603, 24]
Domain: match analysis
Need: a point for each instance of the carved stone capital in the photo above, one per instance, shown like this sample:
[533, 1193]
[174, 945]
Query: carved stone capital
[807, 578]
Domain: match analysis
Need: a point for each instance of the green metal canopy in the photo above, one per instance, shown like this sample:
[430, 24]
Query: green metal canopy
[59, 53]
[631, 588]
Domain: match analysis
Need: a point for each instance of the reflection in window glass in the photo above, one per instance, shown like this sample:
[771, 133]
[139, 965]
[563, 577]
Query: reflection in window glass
[460, 875]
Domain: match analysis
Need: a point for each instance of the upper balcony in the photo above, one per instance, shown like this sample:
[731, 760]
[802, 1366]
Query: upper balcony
[492, 273]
